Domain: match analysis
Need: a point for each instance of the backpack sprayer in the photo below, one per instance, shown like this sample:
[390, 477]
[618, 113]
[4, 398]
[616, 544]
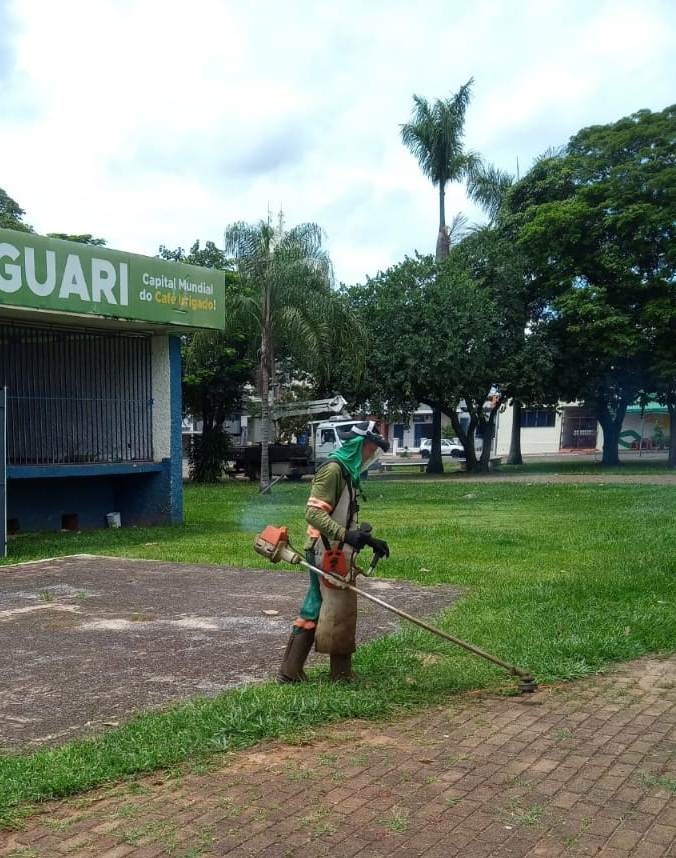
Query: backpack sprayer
[273, 544]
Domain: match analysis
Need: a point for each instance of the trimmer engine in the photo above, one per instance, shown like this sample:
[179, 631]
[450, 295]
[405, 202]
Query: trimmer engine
[273, 544]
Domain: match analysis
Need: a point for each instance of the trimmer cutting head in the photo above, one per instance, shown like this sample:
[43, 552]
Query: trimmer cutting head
[527, 685]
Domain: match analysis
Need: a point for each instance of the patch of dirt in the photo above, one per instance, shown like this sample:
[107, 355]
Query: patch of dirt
[87, 642]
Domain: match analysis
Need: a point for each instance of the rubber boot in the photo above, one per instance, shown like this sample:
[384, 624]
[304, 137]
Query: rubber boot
[341, 668]
[297, 651]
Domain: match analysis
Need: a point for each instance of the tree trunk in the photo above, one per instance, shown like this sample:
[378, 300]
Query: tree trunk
[488, 436]
[435, 465]
[265, 395]
[514, 457]
[443, 242]
[671, 461]
[465, 438]
[612, 426]
[265, 429]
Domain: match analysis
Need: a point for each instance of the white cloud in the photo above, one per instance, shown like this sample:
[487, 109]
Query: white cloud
[153, 122]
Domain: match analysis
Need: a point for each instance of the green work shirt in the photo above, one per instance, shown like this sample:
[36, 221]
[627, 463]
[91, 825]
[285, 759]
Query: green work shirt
[327, 486]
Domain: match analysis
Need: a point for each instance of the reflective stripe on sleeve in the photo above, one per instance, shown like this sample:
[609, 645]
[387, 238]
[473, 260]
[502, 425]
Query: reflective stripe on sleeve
[320, 504]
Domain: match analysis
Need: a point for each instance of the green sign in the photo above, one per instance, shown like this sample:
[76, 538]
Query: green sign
[50, 274]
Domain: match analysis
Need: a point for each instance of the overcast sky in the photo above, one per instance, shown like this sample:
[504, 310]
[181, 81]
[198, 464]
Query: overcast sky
[153, 122]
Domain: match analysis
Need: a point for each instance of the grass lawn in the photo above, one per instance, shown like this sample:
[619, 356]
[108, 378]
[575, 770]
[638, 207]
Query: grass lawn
[562, 579]
[630, 464]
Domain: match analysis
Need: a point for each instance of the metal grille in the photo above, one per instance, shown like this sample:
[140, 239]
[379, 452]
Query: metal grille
[76, 396]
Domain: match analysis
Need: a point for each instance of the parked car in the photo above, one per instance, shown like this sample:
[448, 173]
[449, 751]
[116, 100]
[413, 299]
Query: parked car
[449, 447]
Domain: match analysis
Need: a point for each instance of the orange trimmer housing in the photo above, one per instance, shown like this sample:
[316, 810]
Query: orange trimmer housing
[335, 562]
[273, 543]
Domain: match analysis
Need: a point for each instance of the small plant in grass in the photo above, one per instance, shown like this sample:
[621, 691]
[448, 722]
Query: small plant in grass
[562, 735]
[398, 820]
[163, 832]
[62, 824]
[359, 759]
[570, 841]
[232, 810]
[525, 815]
[205, 840]
[46, 596]
[649, 780]
[203, 765]
[135, 788]
[299, 773]
[126, 811]
[319, 822]
[327, 759]
[13, 818]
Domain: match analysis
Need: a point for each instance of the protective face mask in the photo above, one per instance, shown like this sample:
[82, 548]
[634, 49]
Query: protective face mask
[366, 464]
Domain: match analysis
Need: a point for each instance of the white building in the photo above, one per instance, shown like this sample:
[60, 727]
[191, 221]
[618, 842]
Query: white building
[569, 427]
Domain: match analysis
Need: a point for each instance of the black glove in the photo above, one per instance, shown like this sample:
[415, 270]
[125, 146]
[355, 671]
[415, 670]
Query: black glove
[360, 538]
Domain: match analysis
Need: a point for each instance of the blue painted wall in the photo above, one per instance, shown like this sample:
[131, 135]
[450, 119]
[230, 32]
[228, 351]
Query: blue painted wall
[176, 461]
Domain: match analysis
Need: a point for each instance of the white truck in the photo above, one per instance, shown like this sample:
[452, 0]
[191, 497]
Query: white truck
[312, 449]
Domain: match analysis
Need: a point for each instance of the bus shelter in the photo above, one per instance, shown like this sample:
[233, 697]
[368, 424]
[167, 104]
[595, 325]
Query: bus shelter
[90, 366]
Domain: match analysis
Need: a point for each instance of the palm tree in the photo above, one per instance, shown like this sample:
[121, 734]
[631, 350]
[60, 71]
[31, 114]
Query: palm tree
[287, 303]
[434, 135]
[487, 187]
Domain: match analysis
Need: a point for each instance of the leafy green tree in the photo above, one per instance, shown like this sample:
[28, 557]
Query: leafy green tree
[11, 214]
[523, 358]
[84, 238]
[209, 256]
[597, 224]
[432, 333]
[287, 306]
[216, 367]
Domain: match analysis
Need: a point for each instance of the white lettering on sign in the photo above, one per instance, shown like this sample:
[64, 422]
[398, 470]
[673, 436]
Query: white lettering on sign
[202, 288]
[103, 280]
[73, 281]
[10, 277]
[49, 283]
[124, 284]
[160, 282]
[104, 276]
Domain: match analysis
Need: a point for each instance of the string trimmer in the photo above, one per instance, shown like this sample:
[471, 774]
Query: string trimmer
[273, 544]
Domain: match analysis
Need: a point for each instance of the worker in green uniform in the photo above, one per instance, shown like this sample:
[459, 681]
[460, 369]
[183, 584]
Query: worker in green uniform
[328, 616]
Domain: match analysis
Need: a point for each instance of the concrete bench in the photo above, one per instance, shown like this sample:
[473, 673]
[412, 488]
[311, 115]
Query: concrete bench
[393, 466]
[493, 462]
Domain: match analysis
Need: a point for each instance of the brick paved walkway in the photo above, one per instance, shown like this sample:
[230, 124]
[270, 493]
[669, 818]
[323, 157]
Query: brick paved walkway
[585, 769]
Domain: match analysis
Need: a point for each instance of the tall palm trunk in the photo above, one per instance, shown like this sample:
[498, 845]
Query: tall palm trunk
[436, 464]
[265, 392]
[443, 242]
